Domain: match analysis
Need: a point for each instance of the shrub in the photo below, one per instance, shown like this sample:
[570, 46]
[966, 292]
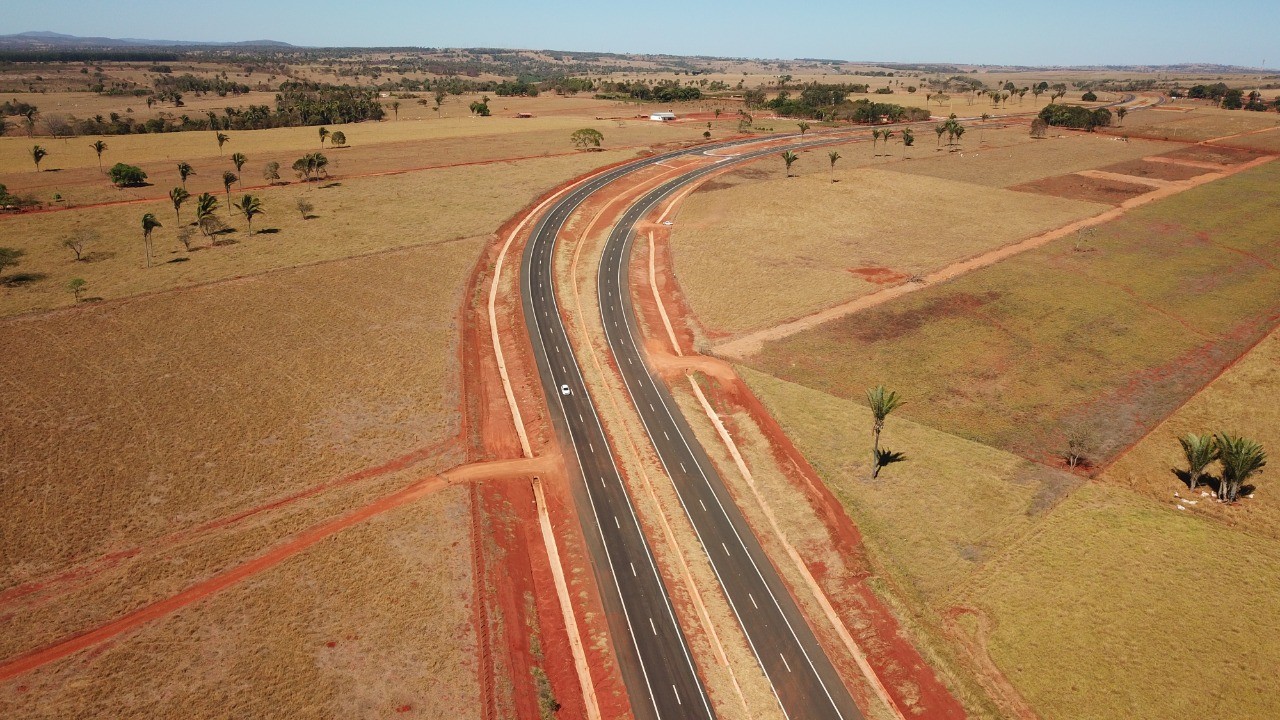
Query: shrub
[1090, 96]
[127, 175]
[1074, 116]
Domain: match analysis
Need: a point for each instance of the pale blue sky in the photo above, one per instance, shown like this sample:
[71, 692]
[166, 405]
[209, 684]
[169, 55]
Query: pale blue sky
[1076, 32]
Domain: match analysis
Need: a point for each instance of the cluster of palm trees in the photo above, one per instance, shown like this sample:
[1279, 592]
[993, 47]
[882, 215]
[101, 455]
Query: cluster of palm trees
[1240, 459]
[250, 206]
[952, 128]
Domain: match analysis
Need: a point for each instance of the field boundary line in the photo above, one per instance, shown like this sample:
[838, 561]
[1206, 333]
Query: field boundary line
[827, 608]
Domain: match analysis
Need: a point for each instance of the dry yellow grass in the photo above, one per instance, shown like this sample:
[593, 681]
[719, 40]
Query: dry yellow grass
[355, 216]
[1013, 157]
[392, 596]
[1193, 123]
[789, 245]
[1119, 607]
[1234, 403]
[130, 420]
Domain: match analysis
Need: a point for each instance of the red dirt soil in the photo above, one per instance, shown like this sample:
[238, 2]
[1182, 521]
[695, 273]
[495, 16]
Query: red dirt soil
[879, 275]
[1155, 170]
[1080, 187]
[912, 684]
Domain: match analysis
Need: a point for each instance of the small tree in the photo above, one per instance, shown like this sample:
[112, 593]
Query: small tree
[1241, 459]
[305, 207]
[586, 137]
[250, 207]
[395, 108]
[480, 108]
[882, 402]
[184, 172]
[789, 158]
[149, 223]
[1039, 128]
[338, 139]
[1080, 445]
[833, 156]
[908, 139]
[184, 237]
[206, 206]
[1120, 113]
[38, 154]
[804, 128]
[10, 257]
[127, 175]
[76, 286]
[271, 173]
[98, 147]
[1200, 452]
[222, 140]
[324, 134]
[79, 240]
[239, 159]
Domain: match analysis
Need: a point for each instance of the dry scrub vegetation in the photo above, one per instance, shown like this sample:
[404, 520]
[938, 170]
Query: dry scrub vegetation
[807, 243]
[1192, 123]
[1109, 331]
[131, 420]
[372, 623]
[351, 217]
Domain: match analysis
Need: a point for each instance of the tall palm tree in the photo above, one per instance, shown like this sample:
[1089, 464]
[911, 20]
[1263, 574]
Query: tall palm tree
[882, 402]
[149, 223]
[908, 139]
[1200, 452]
[875, 138]
[238, 159]
[1241, 458]
[228, 179]
[250, 207]
[324, 135]
[185, 171]
[789, 157]
[37, 154]
[222, 140]
[178, 196]
[833, 156]
[395, 108]
[941, 129]
[99, 146]
[206, 206]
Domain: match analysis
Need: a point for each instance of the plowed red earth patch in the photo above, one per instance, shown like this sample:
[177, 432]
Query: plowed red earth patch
[879, 275]
[1080, 187]
[1155, 170]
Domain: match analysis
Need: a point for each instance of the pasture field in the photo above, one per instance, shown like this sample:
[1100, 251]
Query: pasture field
[375, 622]
[988, 544]
[128, 421]
[1191, 123]
[1099, 335]
[1012, 156]
[427, 207]
[808, 243]
[1266, 140]
[1236, 402]
[1118, 606]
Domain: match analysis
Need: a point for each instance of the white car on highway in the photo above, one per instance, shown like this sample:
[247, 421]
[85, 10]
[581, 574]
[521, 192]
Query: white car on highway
[564, 390]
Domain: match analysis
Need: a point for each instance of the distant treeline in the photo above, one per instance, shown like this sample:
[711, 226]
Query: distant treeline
[820, 101]
[43, 56]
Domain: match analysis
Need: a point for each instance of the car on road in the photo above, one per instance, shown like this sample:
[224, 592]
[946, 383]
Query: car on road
[564, 390]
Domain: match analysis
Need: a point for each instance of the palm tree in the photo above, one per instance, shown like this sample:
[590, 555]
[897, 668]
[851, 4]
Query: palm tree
[149, 223]
[983, 127]
[178, 196]
[395, 108]
[98, 147]
[1200, 452]
[804, 127]
[882, 403]
[238, 159]
[1241, 458]
[222, 140]
[940, 130]
[908, 139]
[886, 135]
[228, 179]
[324, 135]
[37, 154]
[833, 156]
[789, 157]
[250, 207]
[206, 206]
[1121, 112]
[875, 138]
[184, 172]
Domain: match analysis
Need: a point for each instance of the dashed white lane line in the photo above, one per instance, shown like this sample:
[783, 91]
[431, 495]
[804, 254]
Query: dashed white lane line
[784, 661]
[655, 627]
[633, 570]
[616, 523]
[726, 548]
[753, 601]
[677, 692]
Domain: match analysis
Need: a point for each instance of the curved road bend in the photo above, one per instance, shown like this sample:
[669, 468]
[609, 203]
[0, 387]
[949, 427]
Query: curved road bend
[654, 657]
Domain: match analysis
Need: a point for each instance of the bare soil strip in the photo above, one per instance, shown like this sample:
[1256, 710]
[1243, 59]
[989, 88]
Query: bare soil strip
[750, 343]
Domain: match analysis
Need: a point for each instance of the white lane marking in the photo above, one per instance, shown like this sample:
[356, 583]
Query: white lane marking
[665, 435]
[616, 523]
[726, 548]
[704, 505]
[633, 570]
[593, 449]
[784, 661]
[651, 407]
[580, 418]
[681, 465]
[629, 362]
[655, 627]
[677, 692]
[753, 601]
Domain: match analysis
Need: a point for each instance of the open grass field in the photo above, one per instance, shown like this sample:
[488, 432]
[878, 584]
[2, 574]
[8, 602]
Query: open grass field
[1237, 402]
[127, 421]
[1103, 334]
[428, 207]
[1192, 123]
[808, 243]
[1117, 606]
[376, 622]
[1265, 140]
[1013, 157]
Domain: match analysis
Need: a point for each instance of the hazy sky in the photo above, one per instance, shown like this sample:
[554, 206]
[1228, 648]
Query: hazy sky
[1074, 32]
